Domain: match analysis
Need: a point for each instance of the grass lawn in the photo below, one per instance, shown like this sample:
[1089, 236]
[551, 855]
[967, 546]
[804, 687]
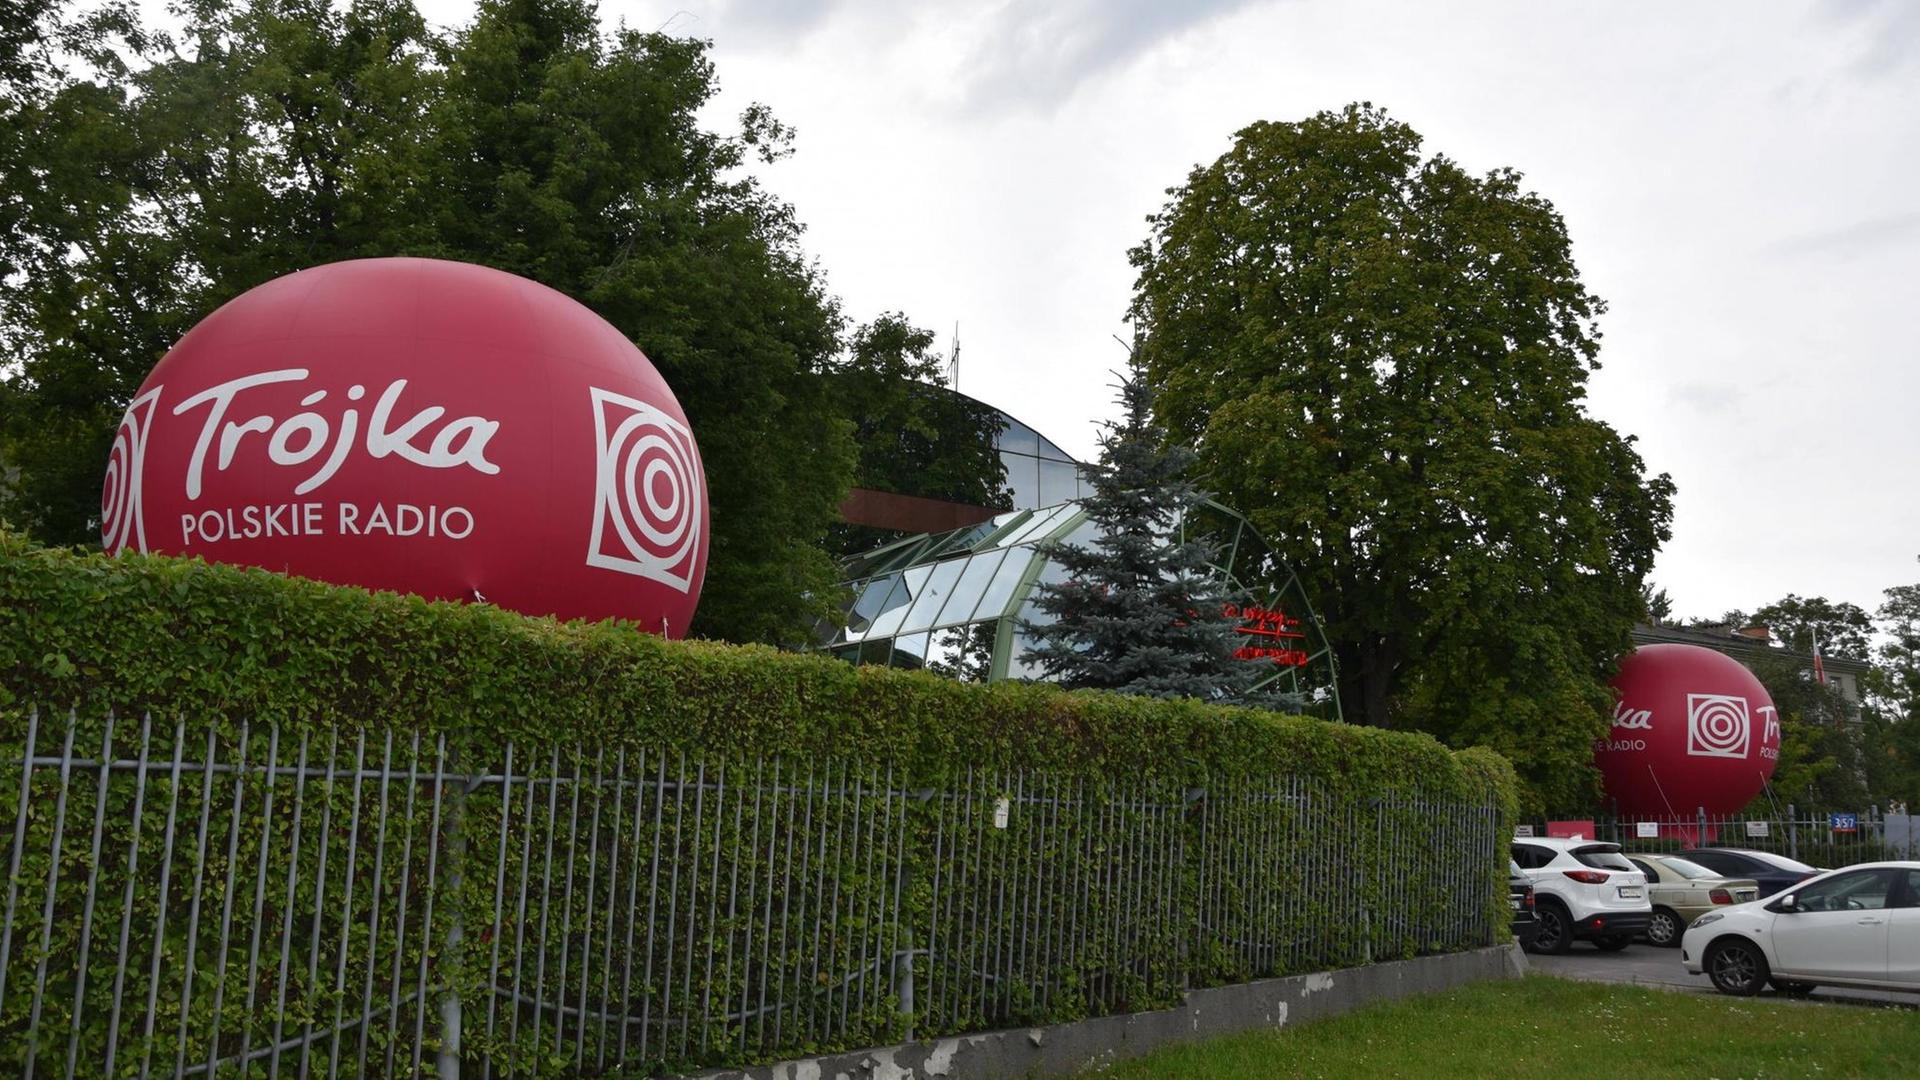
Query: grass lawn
[1555, 1027]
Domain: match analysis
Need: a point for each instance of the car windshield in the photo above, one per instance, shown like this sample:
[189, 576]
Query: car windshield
[1687, 868]
[1603, 857]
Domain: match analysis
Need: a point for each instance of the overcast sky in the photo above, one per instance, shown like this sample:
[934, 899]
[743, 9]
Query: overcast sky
[1739, 179]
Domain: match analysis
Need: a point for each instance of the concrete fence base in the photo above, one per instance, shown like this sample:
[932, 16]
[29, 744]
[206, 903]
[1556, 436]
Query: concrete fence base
[1065, 1049]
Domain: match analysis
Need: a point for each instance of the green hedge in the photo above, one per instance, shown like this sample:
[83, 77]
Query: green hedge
[218, 646]
[180, 636]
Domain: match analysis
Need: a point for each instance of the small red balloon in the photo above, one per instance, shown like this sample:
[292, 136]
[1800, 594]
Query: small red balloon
[422, 426]
[1693, 729]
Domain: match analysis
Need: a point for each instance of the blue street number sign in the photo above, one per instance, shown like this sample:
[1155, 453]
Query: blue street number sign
[1845, 822]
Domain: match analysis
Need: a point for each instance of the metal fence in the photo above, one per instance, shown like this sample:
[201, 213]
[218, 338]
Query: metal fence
[1820, 838]
[208, 898]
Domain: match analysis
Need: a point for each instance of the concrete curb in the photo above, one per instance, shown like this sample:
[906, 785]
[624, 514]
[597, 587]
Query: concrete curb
[1065, 1049]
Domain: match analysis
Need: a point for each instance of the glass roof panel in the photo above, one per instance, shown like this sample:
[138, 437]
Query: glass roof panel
[895, 608]
[932, 596]
[1041, 520]
[970, 588]
[1006, 578]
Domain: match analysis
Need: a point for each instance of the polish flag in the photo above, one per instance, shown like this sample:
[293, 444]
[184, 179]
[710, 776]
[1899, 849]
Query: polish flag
[1819, 670]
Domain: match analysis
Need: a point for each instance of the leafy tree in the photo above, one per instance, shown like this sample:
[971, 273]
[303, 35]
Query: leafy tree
[1842, 629]
[148, 181]
[913, 435]
[1382, 361]
[1141, 610]
[1821, 762]
[1893, 686]
[1658, 605]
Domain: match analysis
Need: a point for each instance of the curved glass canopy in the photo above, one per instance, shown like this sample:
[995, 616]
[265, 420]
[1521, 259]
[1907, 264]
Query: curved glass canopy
[954, 602]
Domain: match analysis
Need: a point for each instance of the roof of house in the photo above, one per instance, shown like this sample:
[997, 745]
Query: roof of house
[1740, 648]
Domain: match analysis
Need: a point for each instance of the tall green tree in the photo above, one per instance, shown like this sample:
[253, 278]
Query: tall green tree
[1842, 629]
[1140, 610]
[1893, 686]
[1821, 754]
[912, 433]
[278, 134]
[1382, 360]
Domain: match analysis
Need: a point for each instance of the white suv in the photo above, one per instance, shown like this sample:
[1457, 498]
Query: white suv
[1584, 890]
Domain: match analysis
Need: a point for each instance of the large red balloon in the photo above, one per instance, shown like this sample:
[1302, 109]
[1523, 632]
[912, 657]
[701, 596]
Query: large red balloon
[1693, 729]
[424, 426]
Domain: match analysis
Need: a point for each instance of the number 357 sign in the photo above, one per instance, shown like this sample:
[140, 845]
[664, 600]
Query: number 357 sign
[1845, 823]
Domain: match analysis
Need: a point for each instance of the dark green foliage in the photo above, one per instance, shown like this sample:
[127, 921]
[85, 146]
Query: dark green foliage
[1840, 629]
[144, 186]
[336, 670]
[913, 435]
[1893, 686]
[1382, 361]
[1140, 610]
[1820, 740]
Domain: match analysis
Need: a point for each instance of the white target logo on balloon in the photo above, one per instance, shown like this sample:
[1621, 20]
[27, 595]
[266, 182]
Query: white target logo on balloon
[122, 521]
[649, 492]
[1718, 726]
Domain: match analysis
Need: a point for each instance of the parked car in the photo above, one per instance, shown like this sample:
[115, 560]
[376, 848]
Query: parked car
[1583, 890]
[1854, 927]
[1682, 890]
[1770, 872]
[1526, 925]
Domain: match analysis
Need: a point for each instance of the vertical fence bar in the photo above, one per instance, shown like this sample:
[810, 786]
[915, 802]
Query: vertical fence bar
[400, 905]
[449, 1058]
[259, 890]
[613, 890]
[653, 897]
[165, 901]
[520, 913]
[766, 926]
[713, 905]
[753, 876]
[286, 923]
[633, 907]
[126, 902]
[373, 903]
[346, 903]
[193, 908]
[53, 883]
[566, 917]
[19, 847]
[226, 901]
[497, 928]
[319, 899]
[732, 898]
[693, 902]
[93, 885]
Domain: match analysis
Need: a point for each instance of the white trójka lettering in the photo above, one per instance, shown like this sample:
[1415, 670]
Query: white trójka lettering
[306, 436]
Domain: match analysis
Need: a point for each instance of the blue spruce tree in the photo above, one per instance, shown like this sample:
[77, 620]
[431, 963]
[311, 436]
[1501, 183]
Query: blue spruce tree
[1142, 609]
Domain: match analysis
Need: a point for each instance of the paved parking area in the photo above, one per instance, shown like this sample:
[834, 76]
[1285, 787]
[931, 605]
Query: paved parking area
[1647, 966]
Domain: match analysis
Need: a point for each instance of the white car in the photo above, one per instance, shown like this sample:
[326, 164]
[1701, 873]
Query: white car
[1585, 890]
[1859, 926]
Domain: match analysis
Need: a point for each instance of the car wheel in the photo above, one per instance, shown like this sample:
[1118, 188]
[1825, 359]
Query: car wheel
[1612, 944]
[1737, 967]
[1556, 929]
[1793, 989]
[1665, 929]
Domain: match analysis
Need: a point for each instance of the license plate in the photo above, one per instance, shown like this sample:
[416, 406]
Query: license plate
[1629, 892]
[1516, 902]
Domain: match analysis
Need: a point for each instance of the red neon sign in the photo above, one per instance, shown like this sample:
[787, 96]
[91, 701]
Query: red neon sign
[1273, 633]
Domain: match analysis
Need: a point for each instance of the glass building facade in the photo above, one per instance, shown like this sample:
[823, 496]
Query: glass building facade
[1039, 474]
[955, 603]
